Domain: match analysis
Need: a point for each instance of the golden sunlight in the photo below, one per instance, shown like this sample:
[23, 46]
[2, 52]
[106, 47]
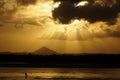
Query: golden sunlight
[63, 32]
[42, 13]
[82, 3]
[33, 25]
[38, 10]
[55, 5]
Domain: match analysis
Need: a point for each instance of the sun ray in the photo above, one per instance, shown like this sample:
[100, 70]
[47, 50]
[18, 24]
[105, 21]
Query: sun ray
[76, 30]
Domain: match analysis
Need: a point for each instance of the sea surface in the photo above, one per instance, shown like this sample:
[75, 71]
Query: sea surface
[16, 73]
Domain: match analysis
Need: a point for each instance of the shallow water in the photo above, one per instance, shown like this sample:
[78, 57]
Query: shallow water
[59, 73]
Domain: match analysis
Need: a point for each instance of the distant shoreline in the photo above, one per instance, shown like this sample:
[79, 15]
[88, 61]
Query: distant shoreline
[61, 61]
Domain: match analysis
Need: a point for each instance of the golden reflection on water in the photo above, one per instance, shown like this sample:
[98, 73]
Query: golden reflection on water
[51, 73]
[65, 75]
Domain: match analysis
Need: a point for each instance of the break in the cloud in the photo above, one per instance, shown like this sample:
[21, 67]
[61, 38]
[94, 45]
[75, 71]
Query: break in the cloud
[96, 10]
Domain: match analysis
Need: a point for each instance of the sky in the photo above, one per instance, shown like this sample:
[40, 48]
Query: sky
[65, 26]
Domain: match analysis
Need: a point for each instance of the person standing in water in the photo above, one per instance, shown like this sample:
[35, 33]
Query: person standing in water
[26, 76]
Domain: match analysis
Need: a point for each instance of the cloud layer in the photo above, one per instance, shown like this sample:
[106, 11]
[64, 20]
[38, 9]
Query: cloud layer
[97, 10]
[26, 2]
[26, 13]
[8, 9]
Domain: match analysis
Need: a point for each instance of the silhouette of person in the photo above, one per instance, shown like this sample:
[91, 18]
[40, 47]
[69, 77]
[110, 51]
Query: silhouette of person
[26, 75]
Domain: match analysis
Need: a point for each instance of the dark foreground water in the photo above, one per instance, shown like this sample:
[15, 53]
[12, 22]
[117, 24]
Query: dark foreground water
[59, 73]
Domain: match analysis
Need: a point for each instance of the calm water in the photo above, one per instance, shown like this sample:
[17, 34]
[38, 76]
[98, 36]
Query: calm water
[59, 74]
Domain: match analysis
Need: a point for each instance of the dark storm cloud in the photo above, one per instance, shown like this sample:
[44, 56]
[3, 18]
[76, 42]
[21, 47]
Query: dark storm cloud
[93, 12]
[26, 2]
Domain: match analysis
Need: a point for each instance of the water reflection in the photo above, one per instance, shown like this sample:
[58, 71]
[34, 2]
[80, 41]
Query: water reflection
[65, 75]
[59, 74]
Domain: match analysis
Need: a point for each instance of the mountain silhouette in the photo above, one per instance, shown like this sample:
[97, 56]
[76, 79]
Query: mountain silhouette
[44, 51]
